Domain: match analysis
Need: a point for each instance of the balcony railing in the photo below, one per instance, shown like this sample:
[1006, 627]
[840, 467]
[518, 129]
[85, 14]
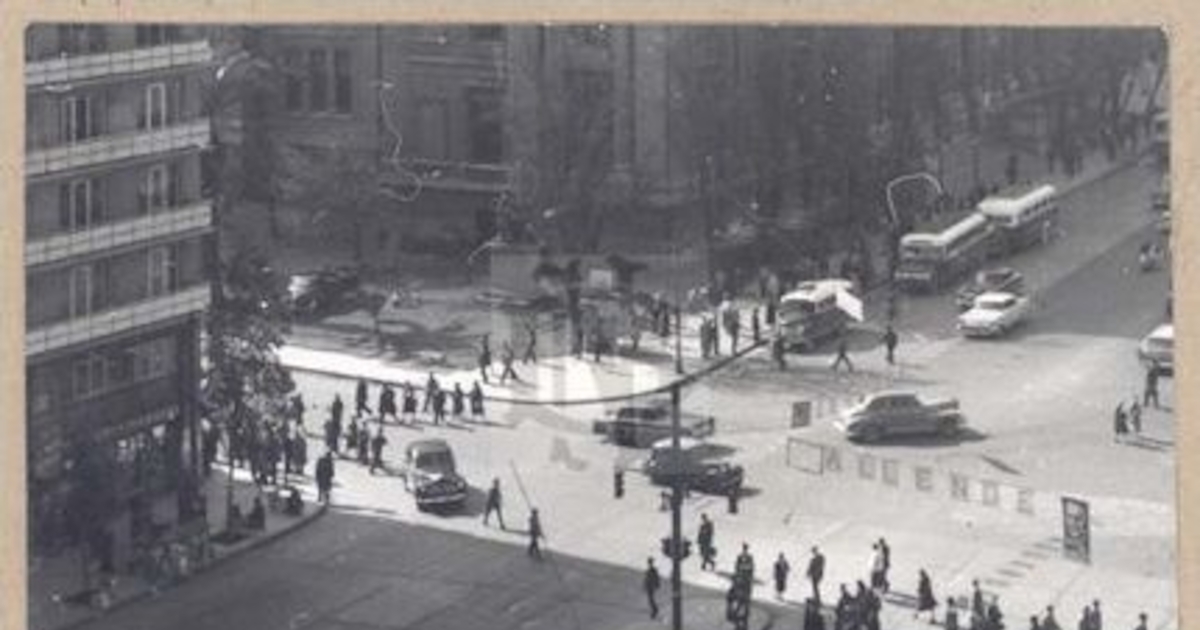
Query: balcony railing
[194, 133]
[117, 320]
[443, 174]
[197, 216]
[99, 65]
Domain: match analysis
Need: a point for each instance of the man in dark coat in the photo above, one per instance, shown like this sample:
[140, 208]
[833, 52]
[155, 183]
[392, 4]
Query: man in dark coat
[377, 444]
[325, 477]
[782, 569]
[886, 552]
[476, 402]
[387, 403]
[439, 407]
[494, 501]
[704, 540]
[531, 343]
[431, 390]
[360, 398]
[650, 583]
[843, 356]
[535, 534]
[890, 340]
[816, 572]
[779, 352]
[506, 357]
[1151, 393]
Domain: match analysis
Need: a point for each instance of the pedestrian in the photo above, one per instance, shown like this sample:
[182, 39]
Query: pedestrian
[755, 326]
[360, 400]
[331, 435]
[364, 445]
[978, 608]
[782, 569]
[951, 620]
[476, 402]
[704, 540]
[597, 343]
[439, 407]
[1135, 416]
[325, 477]
[377, 444]
[485, 360]
[890, 340]
[842, 356]
[531, 343]
[650, 583]
[733, 325]
[457, 400]
[352, 433]
[387, 403]
[714, 336]
[779, 352]
[1141, 622]
[769, 317]
[843, 612]
[1034, 623]
[886, 552]
[876, 567]
[1049, 622]
[506, 358]
[300, 457]
[813, 619]
[705, 350]
[926, 602]
[1120, 424]
[995, 620]
[1151, 393]
[493, 504]
[744, 568]
[870, 606]
[410, 403]
[1097, 619]
[298, 408]
[431, 390]
[816, 571]
[535, 534]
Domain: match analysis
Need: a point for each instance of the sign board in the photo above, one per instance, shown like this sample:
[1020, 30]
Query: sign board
[1076, 530]
[801, 414]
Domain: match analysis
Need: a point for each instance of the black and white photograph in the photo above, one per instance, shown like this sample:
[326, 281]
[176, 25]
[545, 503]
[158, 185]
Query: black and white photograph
[598, 326]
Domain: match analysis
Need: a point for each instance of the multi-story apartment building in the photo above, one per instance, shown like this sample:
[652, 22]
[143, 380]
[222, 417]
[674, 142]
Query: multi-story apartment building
[116, 231]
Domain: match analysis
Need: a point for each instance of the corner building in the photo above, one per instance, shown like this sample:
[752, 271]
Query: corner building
[116, 235]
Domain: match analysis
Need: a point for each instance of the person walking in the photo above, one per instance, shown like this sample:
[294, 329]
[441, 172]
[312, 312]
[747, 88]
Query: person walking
[1097, 618]
[870, 609]
[476, 402]
[387, 403]
[843, 611]
[325, 477]
[364, 445]
[926, 602]
[1120, 423]
[439, 407]
[1142, 619]
[876, 567]
[744, 568]
[755, 326]
[506, 358]
[816, 572]
[531, 343]
[886, 552]
[843, 356]
[493, 504]
[1151, 391]
[535, 535]
[431, 390]
[331, 434]
[782, 569]
[300, 453]
[1135, 416]
[950, 622]
[352, 433]
[650, 583]
[410, 404]
[1049, 622]
[485, 359]
[779, 352]
[377, 444]
[704, 540]
[1034, 623]
[360, 400]
[890, 340]
[733, 325]
[978, 607]
[457, 400]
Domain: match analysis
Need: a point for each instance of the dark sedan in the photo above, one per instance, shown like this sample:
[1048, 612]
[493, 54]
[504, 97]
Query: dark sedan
[319, 292]
[694, 466]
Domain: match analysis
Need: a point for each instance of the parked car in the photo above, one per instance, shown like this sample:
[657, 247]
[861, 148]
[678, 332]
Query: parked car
[431, 476]
[1002, 279]
[889, 414]
[642, 425]
[317, 292]
[696, 466]
[993, 314]
[1158, 349]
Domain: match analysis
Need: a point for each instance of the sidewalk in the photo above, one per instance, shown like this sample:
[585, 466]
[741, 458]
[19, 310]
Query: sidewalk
[55, 583]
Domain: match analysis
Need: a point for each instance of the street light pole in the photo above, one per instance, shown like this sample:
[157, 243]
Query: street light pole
[676, 516]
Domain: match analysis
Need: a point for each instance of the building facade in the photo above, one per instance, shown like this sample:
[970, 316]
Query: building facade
[116, 234]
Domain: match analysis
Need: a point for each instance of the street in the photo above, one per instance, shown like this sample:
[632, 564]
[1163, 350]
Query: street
[1039, 407]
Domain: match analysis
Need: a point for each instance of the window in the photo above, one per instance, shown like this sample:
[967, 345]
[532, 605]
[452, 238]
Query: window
[485, 125]
[155, 190]
[80, 204]
[153, 114]
[490, 33]
[342, 92]
[75, 119]
[80, 39]
[163, 272]
[82, 290]
[318, 77]
[157, 34]
[294, 83]
[87, 376]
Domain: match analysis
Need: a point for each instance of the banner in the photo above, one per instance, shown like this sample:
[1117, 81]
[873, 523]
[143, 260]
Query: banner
[1077, 543]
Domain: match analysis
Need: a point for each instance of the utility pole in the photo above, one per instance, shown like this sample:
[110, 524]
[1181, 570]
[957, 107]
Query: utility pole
[676, 516]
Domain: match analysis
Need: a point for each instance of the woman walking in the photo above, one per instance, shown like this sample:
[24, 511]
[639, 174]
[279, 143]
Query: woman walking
[925, 599]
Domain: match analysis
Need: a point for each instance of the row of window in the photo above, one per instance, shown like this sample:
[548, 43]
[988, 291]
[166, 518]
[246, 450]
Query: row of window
[317, 80]
[89, 282]
[88, 39]
[82, 203]
[81, 116]
[99, 372]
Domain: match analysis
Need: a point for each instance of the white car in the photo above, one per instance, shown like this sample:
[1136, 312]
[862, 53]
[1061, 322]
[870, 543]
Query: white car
[993, 314]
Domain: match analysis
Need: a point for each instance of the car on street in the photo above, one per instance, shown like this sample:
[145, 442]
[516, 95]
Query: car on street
[318, 292]
[1158, 348]
[431, 476]
[894, 414]
[993, 314]
[697, 466]
[1004, 279]
[640, 426]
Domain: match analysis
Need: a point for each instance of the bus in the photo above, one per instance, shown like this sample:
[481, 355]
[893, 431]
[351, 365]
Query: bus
[1022, 220]
[809, 314]
[930, 262]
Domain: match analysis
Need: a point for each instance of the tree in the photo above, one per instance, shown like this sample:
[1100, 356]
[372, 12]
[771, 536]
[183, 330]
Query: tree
[333, 182]
[91, 503]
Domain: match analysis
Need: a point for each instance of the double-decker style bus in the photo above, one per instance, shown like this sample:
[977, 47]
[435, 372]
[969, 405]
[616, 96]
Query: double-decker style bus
[930, 262]
[810, 314]
[1022, 220]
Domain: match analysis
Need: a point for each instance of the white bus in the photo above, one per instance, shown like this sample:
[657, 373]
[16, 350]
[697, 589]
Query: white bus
[810, 314]
[930, 262]
[1022, 220]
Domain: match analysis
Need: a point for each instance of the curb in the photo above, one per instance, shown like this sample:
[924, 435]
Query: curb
[147, 593]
